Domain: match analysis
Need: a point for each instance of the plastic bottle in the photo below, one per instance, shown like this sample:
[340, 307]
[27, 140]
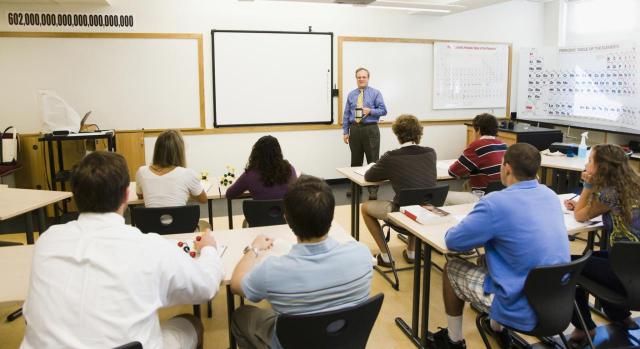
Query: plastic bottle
[582, 148]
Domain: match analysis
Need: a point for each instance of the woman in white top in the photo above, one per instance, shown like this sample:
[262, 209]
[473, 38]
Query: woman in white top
[167, 182]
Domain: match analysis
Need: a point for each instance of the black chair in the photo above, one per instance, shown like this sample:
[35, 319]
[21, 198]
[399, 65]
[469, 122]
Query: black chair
[169, 220]
[624, 257]
[494, 186]
[166, 220]
[340, 329]
[261, 213]
[406, 197]
[551, 293]
[132, 345]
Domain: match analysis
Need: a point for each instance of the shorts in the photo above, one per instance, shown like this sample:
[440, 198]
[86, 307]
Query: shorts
[467, 281]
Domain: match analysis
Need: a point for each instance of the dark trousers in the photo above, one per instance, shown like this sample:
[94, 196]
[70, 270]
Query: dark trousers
[599, 270]
[364, 139]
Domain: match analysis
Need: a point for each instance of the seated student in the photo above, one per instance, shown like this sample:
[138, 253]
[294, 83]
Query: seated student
[167, 182]
[410, 166]
[521, 228]
[611, 189]
[480, 161]
[267, 175]
[98, 283]
[313, 277]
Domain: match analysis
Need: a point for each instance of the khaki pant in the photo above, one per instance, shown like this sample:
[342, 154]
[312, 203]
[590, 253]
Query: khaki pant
[253, 327]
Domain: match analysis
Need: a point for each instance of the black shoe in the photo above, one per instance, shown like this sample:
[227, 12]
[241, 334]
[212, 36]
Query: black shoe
[382, 263]
[442, 341]
[503, 337]
[349, 193]
[373, 197]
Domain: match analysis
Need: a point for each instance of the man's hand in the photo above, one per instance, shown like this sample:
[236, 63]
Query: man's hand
[262, 243]
[345, 138]
[366, 111]
[204, 240]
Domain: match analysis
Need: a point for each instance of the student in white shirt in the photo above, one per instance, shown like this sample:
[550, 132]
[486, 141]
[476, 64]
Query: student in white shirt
[167, 182]
[98, 283]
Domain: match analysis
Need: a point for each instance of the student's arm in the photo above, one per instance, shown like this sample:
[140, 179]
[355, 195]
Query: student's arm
[379, 108]
[247, 281]
[464, 165]
[195, 187]
[188, 280]
[473, 231]
[587, 207]
[379, 171]
[239, 186]
[139, 184]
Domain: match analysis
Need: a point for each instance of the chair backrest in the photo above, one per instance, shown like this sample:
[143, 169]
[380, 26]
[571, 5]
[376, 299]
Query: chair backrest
[494, 186]
[166, 220]
[550, 291]
[260, 213]
[132, 345]
[347, 328]
[435, 195]
[625, 258]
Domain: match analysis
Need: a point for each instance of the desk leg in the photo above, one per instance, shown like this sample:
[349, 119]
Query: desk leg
[230, 308]
[412, 332]
[28, 227]
[42, 221]
[230, 213]
[210, 208]
[426, 289]
[357, 211]
[353, 207]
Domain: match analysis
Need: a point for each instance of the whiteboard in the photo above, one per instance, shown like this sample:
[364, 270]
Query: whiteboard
[128, 81]
[272, 78]
[402, 69]
[470, 75]
[591, 83]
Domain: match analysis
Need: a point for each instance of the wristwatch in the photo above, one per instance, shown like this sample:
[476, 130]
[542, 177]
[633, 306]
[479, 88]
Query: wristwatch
[252, 249]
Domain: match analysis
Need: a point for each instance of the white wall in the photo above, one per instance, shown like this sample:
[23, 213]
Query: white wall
[315, 152]
[600, 21]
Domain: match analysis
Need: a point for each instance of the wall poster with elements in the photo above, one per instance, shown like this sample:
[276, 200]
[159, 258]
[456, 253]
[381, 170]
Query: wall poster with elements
[470, 75]
[593, 83]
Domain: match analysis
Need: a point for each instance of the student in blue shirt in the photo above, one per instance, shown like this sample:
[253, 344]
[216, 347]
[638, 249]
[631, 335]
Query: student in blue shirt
[521, 228]
[319, 274]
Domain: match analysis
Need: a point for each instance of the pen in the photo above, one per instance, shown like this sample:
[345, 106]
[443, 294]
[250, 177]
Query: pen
[575, 196]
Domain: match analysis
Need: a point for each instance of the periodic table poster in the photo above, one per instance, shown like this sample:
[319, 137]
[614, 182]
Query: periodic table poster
[592, 83]
[470, 75]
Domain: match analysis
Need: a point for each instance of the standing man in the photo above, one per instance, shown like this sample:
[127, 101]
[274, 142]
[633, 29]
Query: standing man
[363, 109]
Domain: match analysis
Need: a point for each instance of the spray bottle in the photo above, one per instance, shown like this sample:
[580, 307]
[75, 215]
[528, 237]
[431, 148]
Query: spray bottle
[582, 148]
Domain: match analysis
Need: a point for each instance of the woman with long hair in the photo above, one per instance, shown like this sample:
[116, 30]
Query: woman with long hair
[167, 181]
[611, 189]
[267, 175]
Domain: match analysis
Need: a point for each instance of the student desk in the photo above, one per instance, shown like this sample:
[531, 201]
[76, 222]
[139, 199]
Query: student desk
[212, 194]
[358, 182]
[17, 202]
[564, 170]
[431, 237]
[236, 240]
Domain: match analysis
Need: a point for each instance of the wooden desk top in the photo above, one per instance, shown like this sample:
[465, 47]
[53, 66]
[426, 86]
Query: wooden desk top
[133, 199]
[442, 169]
[564, 163]
[15, 261]
[433, 234]
[18, 201]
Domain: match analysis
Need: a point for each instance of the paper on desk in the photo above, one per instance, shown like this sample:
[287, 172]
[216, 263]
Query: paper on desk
[363, 169]
[206, 185]
[547, 152]
[57, 114]
[445, 164]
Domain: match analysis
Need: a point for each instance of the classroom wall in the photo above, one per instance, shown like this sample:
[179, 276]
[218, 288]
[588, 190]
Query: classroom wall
[315, 152]
[602, 21]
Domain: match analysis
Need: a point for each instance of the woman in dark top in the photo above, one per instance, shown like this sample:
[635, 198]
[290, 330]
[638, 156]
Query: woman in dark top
[267, 175]
[611, 189]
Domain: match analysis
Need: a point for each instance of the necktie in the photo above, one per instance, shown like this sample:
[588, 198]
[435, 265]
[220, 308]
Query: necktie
[359, 104]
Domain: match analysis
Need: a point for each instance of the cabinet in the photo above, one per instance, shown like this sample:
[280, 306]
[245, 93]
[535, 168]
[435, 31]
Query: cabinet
[539, 137]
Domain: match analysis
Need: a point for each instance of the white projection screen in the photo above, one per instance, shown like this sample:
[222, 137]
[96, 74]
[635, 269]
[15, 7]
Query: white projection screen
[271, 78]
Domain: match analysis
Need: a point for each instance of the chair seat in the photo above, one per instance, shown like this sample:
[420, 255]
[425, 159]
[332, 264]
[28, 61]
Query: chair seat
[601, 291]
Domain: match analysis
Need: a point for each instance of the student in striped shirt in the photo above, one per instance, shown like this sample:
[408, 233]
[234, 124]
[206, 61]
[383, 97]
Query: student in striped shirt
[480, 161]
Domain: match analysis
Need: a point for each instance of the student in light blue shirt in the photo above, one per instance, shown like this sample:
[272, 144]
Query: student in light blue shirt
[319, 274]
[521, 228]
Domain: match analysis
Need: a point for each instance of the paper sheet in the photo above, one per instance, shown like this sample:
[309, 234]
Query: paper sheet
[363, 169]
